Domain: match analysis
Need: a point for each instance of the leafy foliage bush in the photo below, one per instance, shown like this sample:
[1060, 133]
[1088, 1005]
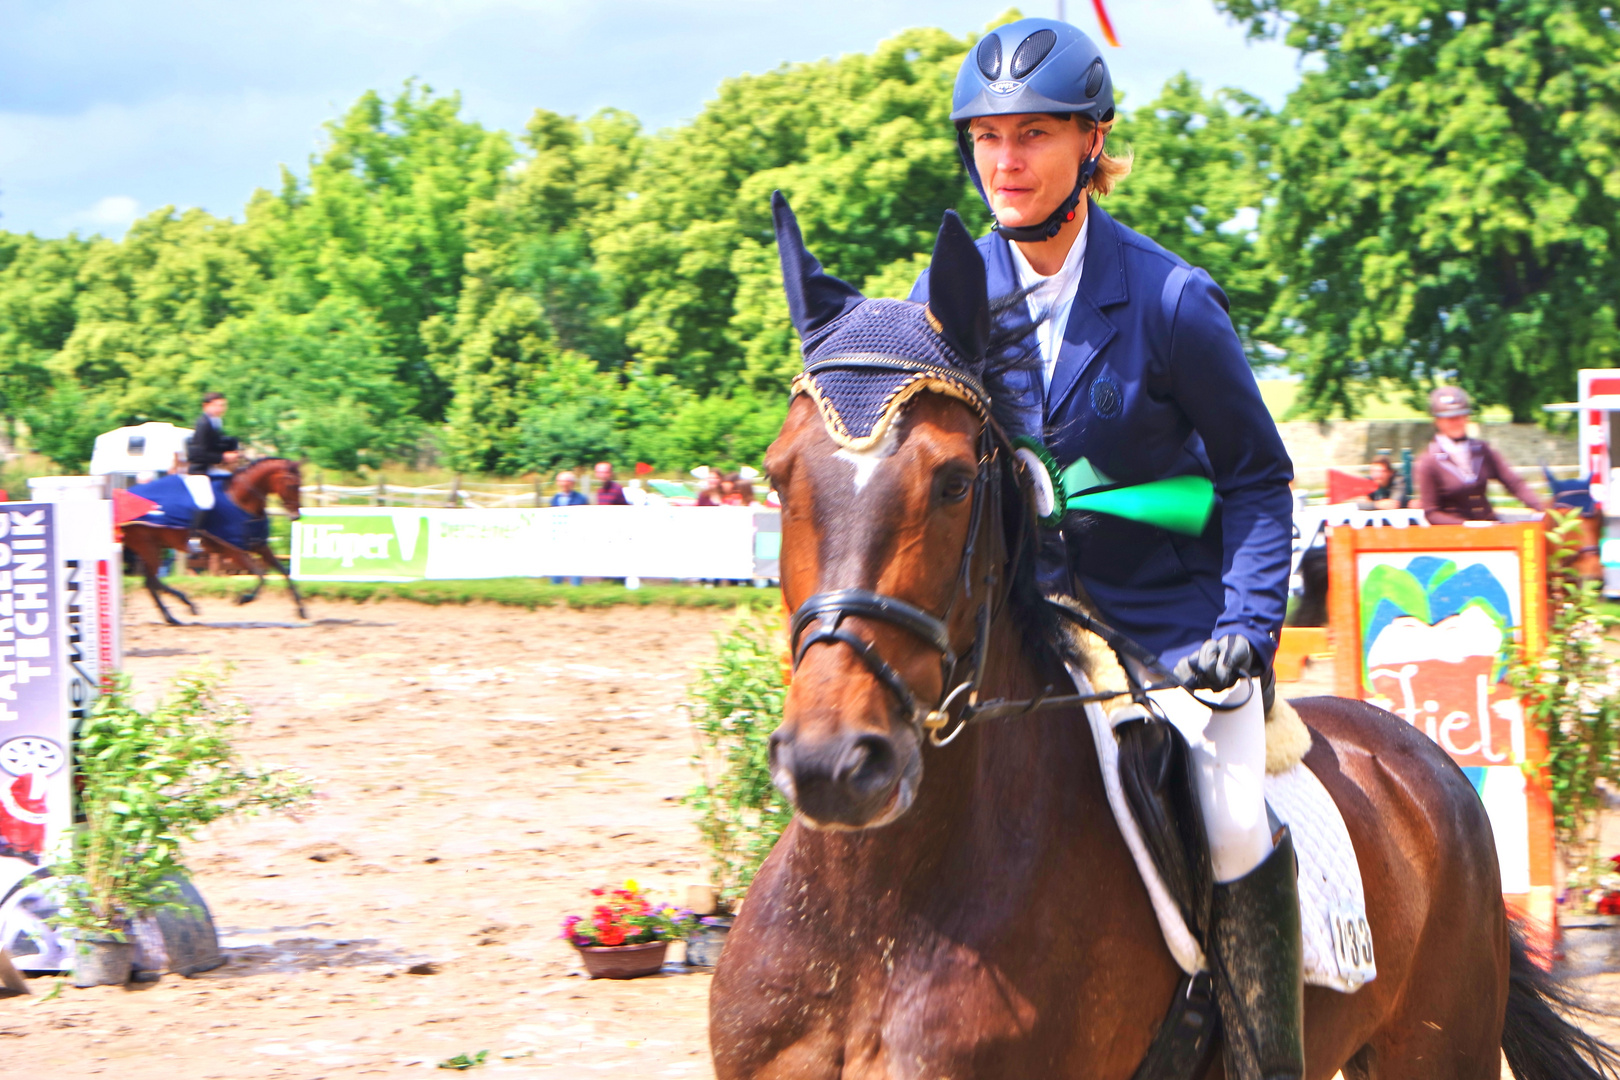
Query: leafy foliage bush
[735, 704]
[148, 782]
[1573, 694]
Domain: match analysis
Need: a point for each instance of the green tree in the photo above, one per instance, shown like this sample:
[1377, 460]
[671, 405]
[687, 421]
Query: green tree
[64, 422]
[1197, 185]
[382, 220]
[319, 385]
[39, 282]
[1448, 201]
[864, 147]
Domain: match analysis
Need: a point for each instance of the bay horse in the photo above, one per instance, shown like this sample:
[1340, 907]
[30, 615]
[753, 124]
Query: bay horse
[971, 911]
[250, 488]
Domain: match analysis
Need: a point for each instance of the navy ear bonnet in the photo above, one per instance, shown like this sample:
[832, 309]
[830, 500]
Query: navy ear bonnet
[865, 358]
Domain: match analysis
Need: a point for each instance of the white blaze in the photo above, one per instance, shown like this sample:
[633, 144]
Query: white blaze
[866, 461]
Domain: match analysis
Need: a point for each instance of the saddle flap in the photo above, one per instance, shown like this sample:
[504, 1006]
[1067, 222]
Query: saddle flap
[1337, 943]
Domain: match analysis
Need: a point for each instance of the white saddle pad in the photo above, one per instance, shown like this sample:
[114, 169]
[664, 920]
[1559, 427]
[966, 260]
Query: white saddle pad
[1338, 948]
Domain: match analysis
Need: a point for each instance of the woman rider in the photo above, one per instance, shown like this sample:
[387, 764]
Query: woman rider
[1141, 377]
[1453, 471]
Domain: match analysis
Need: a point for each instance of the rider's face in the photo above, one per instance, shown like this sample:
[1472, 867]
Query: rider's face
[215, 407]
[1452, 427]
[1028, 163]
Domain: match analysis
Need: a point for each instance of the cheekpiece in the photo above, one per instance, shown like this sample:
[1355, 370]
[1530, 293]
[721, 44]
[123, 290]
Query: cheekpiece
[863, 367]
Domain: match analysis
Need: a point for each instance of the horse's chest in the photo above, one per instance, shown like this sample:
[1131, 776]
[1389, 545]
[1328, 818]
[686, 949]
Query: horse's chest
[950, 1010]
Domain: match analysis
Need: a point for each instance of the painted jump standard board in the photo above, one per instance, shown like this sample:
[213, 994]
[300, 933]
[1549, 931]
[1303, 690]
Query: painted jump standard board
[1425, 621]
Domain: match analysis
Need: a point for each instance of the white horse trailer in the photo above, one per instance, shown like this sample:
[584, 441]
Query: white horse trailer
[134, 455]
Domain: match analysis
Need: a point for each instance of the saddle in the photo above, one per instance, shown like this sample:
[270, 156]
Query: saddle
[1148, 778]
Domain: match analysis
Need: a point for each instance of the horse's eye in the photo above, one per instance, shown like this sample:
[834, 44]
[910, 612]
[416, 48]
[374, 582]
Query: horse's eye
[954, 489]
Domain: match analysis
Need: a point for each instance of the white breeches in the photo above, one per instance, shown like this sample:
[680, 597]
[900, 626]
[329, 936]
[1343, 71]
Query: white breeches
[1229, 769]
[202, 490]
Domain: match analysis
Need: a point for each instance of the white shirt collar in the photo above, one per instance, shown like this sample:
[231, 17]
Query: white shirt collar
[1052, 296]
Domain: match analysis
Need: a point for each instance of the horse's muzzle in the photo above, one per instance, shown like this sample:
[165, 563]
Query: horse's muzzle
[854, 780]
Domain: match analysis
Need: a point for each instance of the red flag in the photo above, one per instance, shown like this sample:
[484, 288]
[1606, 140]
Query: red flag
[1102, 20]
[128, 507]
[1346, 487]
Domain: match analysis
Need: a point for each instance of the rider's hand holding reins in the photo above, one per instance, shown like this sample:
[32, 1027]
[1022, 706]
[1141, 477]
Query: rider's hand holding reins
[1219, 663]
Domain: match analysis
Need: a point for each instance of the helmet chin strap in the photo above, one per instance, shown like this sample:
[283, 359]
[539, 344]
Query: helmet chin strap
[1034, 234]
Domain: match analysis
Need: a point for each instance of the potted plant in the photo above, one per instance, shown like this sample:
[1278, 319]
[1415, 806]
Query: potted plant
[736, 702]
[625, 935]
[147, 781]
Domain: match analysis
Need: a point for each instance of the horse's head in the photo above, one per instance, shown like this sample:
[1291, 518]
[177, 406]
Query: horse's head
[891, 475]
[287, 484]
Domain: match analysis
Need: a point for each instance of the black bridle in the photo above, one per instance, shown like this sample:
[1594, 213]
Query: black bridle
[828, 610]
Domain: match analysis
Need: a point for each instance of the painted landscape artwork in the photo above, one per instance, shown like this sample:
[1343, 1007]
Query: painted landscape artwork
[1426, 621]
[1437, 635]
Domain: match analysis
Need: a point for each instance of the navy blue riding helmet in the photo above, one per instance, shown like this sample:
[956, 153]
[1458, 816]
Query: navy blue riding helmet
[1033, 66]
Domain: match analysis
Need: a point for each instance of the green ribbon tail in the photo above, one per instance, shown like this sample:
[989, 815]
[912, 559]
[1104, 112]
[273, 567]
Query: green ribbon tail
[1180, 504]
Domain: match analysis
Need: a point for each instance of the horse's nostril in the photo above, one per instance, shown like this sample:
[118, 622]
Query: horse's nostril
[778, 746]
[868, 765]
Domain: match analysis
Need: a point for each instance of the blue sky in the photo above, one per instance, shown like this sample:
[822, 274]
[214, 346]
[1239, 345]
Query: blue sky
[110, 109]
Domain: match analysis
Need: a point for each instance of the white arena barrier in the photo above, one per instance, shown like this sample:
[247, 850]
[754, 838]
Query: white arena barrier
[412, 544]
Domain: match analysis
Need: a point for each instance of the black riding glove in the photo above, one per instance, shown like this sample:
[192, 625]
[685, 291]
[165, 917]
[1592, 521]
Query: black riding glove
[1219, 663]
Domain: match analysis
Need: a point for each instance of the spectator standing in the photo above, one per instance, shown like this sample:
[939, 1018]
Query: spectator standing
[1454, 470]
[609, 492]
[567, 496]
[740, 492]
[1390, 494]
[709, 495]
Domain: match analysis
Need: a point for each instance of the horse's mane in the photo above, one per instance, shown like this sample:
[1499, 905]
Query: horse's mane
[261, 462]
[1013, 348]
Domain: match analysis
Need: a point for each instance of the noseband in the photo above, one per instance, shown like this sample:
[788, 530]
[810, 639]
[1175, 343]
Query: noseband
[820, 618]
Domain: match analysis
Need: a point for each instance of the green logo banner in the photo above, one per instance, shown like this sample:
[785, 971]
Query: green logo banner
[385, 545]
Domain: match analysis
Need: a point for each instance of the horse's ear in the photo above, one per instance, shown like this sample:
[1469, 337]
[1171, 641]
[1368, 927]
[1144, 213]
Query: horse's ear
[815, 298]
[957, 293]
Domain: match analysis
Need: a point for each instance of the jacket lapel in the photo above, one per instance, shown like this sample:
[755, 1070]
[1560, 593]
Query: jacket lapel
[1102, 283]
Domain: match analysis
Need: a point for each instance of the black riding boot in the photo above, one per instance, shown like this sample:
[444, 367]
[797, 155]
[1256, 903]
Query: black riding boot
[1259, 981]
[199, 518]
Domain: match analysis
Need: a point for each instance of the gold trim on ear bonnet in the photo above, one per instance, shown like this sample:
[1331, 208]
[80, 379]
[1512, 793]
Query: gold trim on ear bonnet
[895, 394]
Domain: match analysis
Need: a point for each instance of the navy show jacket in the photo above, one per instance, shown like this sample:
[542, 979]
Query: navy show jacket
[1152, 382]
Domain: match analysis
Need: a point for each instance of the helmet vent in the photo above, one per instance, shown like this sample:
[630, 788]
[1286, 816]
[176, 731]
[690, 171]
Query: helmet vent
[1031, 52]
[990, 56]
[1094, 78]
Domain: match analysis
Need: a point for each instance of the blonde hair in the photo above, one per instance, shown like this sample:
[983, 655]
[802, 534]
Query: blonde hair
[1110, 169]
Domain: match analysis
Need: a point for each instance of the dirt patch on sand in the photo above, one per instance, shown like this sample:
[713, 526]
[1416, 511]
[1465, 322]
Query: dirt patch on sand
[479, 769]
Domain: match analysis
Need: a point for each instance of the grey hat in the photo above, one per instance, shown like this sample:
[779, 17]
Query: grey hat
[1447, 401]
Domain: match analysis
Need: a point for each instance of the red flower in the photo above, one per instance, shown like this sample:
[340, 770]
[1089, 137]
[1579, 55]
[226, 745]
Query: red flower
[611, 936]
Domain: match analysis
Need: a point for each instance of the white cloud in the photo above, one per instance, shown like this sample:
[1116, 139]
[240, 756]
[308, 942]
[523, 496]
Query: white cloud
[115, 211]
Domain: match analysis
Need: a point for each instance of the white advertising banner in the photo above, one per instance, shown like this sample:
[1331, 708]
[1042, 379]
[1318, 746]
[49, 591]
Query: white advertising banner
[408, 544]
[59, 600]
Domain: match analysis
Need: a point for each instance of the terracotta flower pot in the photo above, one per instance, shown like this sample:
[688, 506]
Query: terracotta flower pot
[623, 961]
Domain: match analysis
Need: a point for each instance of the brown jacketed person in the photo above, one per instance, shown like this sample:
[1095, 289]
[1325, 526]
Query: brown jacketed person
[1453, 472]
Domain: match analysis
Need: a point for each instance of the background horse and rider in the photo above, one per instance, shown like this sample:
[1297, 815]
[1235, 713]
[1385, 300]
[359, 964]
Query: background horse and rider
[972, 910]
[244, 522]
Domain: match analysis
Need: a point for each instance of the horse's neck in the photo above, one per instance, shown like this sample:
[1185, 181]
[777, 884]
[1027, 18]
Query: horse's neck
[250, 487]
